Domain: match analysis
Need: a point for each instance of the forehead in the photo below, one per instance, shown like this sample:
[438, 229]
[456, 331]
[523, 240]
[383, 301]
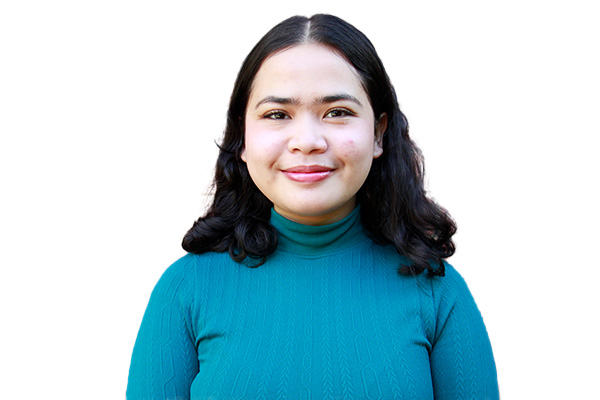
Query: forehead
[306, 70]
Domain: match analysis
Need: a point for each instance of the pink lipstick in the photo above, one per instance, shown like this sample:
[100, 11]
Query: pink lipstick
[308, 173]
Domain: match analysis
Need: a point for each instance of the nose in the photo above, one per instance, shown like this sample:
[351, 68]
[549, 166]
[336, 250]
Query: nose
[306, 136]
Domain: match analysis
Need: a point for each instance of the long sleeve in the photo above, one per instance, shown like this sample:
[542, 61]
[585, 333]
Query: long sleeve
[462, 363]
[335, 321]
[164, 361]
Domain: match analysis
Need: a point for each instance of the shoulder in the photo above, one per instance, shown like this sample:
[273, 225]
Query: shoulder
[450, 286]
[452, 300]
[192, 263]
[181, 277]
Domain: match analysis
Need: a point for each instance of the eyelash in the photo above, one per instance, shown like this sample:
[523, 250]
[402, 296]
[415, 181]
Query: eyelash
[278, 114]
[345, 112]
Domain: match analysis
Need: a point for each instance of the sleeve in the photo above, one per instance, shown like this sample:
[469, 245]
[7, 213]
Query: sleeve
[461, 358]
[165, 361]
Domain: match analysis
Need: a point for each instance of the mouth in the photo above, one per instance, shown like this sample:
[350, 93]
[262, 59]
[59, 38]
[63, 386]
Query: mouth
[308, 173]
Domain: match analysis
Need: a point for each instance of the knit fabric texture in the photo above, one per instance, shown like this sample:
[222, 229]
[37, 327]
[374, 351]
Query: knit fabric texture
[328, 316]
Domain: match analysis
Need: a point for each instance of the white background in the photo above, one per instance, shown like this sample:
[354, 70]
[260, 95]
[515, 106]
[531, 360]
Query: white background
[108, 115]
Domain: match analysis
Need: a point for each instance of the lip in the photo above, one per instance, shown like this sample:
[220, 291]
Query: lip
[308, 173]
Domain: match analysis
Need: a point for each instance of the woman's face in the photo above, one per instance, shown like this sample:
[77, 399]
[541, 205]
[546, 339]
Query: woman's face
[311, 135]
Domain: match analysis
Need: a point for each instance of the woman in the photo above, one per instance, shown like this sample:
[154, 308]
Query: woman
[318, 270]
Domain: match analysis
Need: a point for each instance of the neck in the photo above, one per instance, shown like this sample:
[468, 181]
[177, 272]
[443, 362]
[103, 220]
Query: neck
[315, 240]
[321, 219]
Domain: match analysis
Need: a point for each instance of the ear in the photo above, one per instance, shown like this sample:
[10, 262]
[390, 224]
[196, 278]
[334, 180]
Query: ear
[243, 155]
[380, 128]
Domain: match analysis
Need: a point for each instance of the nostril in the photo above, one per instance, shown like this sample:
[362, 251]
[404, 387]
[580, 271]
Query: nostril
[307, 137]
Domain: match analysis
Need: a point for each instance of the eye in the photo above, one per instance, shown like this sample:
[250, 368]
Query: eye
[339, 112]
[276, 114]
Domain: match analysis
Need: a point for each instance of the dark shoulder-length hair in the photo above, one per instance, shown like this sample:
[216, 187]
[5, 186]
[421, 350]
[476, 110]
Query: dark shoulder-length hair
[394, 206]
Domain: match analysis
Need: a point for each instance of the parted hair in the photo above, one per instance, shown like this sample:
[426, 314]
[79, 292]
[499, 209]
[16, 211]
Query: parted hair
[395, 208]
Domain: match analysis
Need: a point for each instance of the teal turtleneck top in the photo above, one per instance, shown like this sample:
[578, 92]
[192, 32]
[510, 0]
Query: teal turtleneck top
[326, 317]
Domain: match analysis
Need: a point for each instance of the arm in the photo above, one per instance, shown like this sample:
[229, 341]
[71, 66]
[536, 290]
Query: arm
[164, 361]
[462, 363]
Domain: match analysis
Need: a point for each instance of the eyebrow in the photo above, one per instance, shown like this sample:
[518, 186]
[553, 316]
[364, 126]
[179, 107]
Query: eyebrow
[320, 100]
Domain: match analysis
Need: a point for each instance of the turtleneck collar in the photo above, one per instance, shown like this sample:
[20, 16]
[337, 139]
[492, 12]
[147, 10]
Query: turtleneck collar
[311, 240]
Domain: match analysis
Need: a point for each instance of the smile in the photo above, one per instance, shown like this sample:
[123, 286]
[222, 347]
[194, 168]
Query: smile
[308, 173]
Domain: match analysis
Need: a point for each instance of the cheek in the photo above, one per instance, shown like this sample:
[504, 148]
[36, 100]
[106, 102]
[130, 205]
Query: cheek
[259, 149]
[260, 146]
[356, 152]
[253, 141]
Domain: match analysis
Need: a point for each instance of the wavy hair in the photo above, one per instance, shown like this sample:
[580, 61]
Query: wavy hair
[395, 208]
